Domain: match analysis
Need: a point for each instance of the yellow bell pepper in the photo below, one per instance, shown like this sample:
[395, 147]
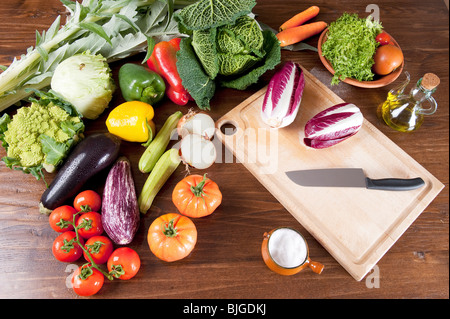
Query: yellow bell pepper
[132, 121]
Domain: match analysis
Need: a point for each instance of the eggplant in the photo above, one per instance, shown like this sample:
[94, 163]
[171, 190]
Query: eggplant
[92, 155]
[120, 209]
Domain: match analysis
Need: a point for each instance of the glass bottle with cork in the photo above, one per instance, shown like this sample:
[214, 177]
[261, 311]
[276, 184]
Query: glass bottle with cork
[405, 112]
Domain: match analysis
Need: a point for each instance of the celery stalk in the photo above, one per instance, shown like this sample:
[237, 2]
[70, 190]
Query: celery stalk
[165, 166]
[157, 147]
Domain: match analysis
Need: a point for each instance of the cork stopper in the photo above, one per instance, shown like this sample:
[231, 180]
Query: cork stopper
[430, 81]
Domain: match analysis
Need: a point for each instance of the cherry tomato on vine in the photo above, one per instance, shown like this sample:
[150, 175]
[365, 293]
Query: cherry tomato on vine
[65, 247]
[383, 38]
[100, 248]
[87, 200]
[61, 217]
[87, 281]
[89, 225]
[124, 263]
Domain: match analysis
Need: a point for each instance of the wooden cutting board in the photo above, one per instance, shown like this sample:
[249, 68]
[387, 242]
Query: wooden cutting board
[357, 226]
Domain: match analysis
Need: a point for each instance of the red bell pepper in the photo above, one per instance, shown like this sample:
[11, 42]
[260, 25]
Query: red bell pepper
[164, 62]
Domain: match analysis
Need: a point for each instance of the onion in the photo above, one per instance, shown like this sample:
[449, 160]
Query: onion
[197, 151]
[196, 123]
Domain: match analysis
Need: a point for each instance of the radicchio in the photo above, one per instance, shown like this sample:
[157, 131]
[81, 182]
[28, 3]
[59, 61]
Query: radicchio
[283, 96]
[333, 125]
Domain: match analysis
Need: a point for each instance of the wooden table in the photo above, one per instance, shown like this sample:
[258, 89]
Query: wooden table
[227, 262]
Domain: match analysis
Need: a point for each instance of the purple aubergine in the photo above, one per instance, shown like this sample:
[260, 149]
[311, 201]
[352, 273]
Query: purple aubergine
[283, 96]
[92, 155]
[120, 209]
[333, 125]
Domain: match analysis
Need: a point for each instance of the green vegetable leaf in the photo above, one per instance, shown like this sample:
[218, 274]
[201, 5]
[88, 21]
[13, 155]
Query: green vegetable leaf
[4, 120]
[270, 61]
[97, 29]
[54, 151]
[71, 128]
[52, 97]
[204, 44]
[350, 47]
[199, 85]
[205, 14]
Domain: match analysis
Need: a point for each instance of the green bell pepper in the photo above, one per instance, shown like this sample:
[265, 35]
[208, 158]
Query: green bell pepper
[140, 84]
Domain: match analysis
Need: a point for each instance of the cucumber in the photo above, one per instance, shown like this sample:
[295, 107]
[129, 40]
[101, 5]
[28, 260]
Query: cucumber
[165, 166]
[159, 145]
[120, 209]
[92, 155]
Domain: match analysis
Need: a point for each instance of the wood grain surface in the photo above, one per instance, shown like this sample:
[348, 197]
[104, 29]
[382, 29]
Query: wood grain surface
[226, 262]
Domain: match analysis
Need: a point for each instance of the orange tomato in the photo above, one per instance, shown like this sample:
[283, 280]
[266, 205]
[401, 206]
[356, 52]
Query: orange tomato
[387, 58]
[172, 237]
[196, 196]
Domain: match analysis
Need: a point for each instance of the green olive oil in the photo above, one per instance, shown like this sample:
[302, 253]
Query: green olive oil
[405, 112]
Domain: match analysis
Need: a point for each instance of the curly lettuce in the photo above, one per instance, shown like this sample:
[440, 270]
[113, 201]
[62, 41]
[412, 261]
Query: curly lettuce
[350, 47]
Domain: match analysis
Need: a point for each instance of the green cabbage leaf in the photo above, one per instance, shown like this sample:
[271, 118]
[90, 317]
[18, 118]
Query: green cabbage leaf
[208, 14]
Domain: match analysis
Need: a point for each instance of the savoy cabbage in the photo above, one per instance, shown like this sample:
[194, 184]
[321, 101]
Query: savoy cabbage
[225, 46]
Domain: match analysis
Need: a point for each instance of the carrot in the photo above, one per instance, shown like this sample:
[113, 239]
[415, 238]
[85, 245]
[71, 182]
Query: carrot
[300, 33]
[300, 18]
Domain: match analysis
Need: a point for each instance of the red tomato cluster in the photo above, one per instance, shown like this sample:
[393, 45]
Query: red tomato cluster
[81, 234]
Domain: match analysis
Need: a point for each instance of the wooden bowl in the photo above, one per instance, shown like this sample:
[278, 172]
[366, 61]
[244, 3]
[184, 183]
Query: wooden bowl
[378, 81]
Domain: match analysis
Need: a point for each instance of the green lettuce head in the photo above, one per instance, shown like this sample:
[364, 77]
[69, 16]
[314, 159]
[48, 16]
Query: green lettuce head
[85, 80]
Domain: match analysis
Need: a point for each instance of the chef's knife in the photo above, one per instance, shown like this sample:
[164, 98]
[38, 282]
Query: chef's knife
[351, 177]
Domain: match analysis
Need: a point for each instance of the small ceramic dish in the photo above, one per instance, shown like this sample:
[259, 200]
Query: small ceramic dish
[378, 81]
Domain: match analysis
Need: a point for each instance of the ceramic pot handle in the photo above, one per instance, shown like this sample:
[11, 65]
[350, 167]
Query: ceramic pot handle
[316, 266]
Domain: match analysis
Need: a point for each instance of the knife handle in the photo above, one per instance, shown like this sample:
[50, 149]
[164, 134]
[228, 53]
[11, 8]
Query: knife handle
[394, 184]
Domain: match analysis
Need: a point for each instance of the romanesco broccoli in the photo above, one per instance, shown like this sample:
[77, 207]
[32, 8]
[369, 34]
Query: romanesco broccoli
[39, 136]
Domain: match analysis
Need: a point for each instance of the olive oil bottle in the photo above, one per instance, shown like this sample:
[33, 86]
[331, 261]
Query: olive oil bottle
[405, 112]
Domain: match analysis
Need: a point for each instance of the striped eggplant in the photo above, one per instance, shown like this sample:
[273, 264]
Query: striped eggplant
[120, 210]
[283, 96]
[333, 125]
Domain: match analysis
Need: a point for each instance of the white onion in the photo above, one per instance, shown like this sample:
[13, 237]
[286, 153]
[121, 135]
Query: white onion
[197, 151]
[196, 123]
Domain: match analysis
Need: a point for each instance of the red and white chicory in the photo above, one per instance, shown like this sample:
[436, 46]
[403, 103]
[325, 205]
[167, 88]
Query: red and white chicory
[333, 125]
[283, 96]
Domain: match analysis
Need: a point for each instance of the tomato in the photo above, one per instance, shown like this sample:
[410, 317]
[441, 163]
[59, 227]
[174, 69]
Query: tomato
[100, 248]
[387, 58]
[196, 196]
[172, 237]
[89, 225]
[87, 281]
[87, 200]
[65, 247]
[124, 263]
[61, 217]
[383, 38]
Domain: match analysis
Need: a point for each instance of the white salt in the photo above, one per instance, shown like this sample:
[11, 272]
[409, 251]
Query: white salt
[287, 248]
